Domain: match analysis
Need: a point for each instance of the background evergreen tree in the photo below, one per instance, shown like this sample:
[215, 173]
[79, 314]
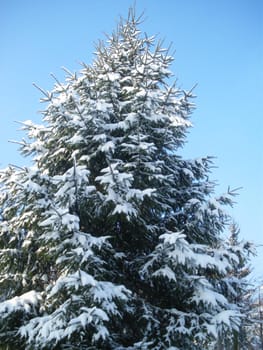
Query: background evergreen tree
[238, 288]
[111, 240]
[254, 327]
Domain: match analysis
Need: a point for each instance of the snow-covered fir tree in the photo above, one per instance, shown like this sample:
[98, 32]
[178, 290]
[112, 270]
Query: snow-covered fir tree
[111, 240]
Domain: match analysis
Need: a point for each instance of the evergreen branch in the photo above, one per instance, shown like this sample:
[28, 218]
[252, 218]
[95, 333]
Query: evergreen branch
[189, 93]
[18, 142]
[57, 81]
[16, 166]
[72, 75]
[46, 93]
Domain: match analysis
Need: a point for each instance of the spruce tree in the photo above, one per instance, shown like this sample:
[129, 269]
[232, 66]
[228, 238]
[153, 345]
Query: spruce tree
[237, 287]
[111, 239]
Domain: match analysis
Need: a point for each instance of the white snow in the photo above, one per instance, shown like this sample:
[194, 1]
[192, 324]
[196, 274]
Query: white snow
[76, 280]
[166, 272]
[226, 317]
[25, 302]
[206, 295]
[140, 194]
[172, 237]
[45, 329]
[125, 208]
[88, 316]
[179, 121]
[113, 76]
[70, 221]
[75, 139]
[109, 291]
[108, 146]
[102, 106]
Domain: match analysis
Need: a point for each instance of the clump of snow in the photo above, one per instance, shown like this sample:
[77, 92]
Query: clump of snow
[79, 278]
[125, 208]
[225, 317]
[165, 272]
[25, 302]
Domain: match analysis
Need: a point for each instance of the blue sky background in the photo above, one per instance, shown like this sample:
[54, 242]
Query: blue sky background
[219, 45]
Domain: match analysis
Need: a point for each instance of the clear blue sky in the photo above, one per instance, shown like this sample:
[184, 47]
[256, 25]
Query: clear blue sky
[218, 45]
